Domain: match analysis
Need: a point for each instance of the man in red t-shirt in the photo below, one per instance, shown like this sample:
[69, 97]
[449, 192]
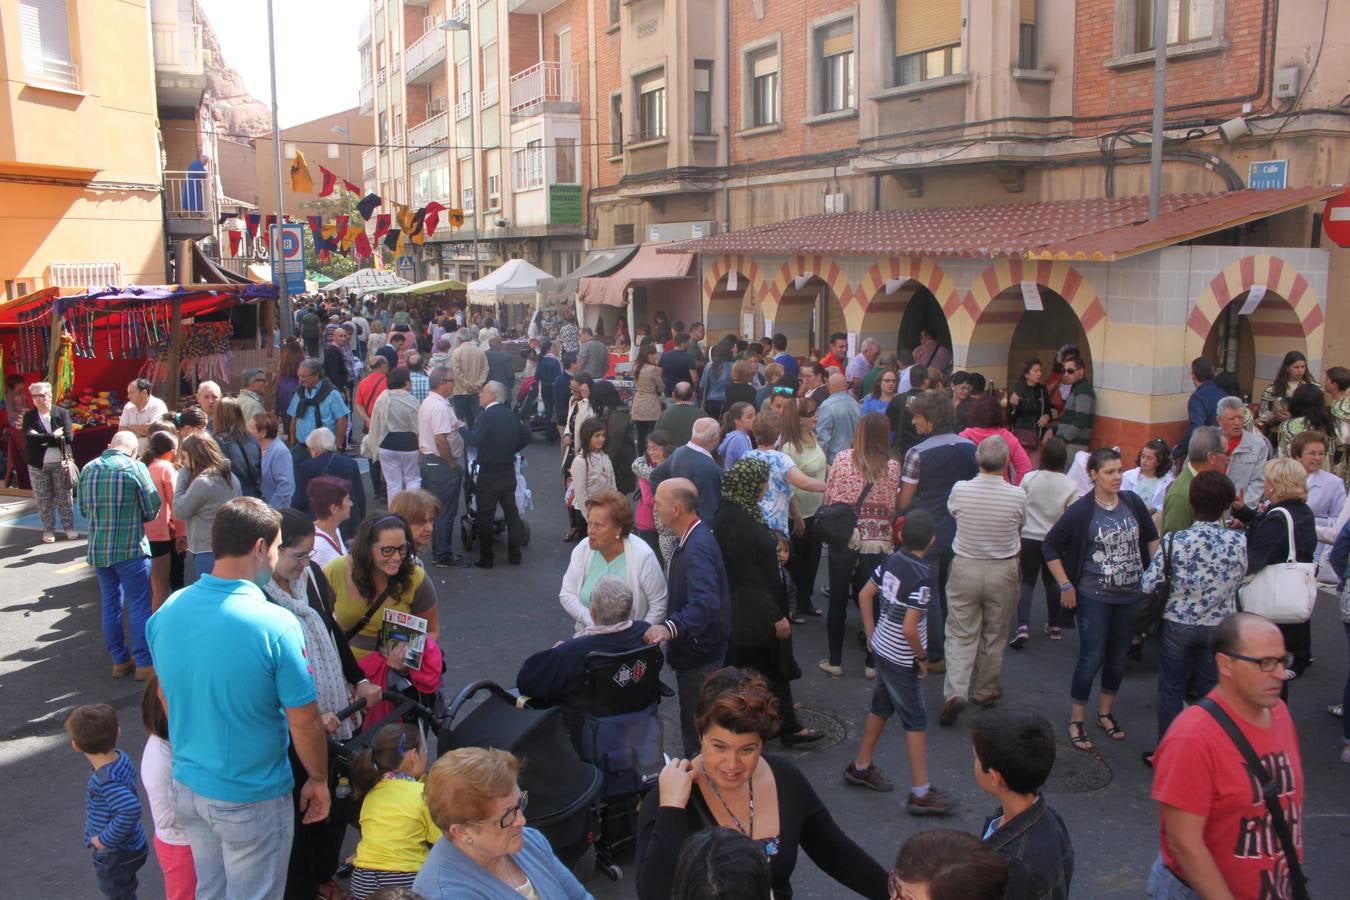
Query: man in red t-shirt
[838, 352]
[1216, 832]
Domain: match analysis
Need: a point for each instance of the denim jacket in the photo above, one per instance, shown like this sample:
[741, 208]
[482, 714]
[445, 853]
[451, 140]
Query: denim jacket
[1040, 854]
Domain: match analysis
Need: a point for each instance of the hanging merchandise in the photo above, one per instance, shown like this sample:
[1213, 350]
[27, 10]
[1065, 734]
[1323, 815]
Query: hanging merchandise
[204, 353]
[64, 379]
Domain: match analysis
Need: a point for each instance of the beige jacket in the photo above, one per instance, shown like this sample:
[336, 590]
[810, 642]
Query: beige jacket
[470, 367]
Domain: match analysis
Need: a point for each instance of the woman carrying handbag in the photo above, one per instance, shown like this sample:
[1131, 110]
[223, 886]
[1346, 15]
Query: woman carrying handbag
[51, 471]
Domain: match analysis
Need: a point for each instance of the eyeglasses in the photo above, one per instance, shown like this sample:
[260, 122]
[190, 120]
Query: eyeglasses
[783, 391]
[1071, 371]
[1264, 663]
[396, 550]
[303, 557]
[509, 817]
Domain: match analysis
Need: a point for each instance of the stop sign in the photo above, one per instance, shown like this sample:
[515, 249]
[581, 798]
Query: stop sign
[1336, 218]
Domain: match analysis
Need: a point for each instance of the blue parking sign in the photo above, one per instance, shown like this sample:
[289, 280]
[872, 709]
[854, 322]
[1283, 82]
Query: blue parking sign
[1271, 174]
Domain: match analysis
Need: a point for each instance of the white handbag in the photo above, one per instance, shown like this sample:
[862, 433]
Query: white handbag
[1285, 592]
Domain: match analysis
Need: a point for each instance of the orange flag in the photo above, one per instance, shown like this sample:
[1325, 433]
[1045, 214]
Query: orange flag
[301, 182]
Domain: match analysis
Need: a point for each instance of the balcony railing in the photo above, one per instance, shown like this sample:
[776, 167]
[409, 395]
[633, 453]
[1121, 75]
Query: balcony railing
[544, 82]
[427, 135]
[380, 76]
[367, 98]
[461, 12]
[189, 195]
[425, 52]
[368, 163]
[463, 107]
[178, 47]
[488, 97]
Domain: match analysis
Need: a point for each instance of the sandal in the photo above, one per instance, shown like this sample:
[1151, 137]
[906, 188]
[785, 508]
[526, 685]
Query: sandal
[1112, 728]
[1078, 736]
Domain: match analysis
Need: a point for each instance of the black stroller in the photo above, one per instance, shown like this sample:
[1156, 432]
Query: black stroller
[468, 523]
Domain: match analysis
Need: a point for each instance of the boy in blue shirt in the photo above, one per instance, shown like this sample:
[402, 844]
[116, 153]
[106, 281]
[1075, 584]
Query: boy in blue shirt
[897, 634]
[112, 825]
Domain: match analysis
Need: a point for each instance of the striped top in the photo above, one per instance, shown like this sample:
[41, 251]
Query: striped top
[989, 514]
[903, 582]
[118, 498]
[113, 808]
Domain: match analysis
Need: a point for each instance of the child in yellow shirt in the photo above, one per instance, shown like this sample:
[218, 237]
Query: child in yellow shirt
[396, 827]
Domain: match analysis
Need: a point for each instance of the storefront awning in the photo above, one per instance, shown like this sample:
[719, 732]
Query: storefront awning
[647, 265]
[427, 287]
[1102, 229]
[597, 264]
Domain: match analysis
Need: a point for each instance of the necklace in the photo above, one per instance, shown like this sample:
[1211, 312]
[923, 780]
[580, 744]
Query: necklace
[748, 832]
[1114, 503]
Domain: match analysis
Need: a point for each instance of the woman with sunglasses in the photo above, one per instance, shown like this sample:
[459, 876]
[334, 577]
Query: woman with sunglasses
[485, 849]
[299, 586]
[380, 573]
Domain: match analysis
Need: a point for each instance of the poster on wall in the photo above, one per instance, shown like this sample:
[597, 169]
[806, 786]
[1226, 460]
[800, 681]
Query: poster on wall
[768, 327]
[748, 324]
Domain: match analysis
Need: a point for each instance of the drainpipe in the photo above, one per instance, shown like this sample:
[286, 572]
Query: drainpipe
[725, 150]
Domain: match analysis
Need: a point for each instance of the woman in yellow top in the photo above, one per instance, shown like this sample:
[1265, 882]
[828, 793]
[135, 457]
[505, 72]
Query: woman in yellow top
[379, 572]
[396, 826]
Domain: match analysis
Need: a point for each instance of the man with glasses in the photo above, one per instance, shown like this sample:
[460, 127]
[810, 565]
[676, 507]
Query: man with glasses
[1075, 421]
[1205, 453]
[316, 403]
[1217, 836]
[1247, 451]
[250, 395]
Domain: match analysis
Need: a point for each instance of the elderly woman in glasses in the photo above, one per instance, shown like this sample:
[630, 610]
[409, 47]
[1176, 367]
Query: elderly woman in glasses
[486, 850]
[380, 572]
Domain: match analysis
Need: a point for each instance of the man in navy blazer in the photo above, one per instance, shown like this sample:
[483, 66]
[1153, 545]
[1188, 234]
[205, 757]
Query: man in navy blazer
[698, 610]
[498, 436]
[695, 462]
[1203, 406]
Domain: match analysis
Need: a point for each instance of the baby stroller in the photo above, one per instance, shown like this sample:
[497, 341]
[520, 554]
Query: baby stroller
[562, 786]
[468, 523]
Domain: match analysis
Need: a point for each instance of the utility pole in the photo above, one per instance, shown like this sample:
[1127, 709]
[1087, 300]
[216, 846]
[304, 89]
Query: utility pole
[283, 295]
[1159, 107]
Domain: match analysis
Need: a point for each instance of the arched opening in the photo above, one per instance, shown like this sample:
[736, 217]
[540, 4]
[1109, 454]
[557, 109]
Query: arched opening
[728, 307]
[923, 313]
[1251, 346]
[1008, 334]
[808, 313]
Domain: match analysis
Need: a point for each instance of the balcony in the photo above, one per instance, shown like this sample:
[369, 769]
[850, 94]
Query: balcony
[363, 31]
[534, 7]
[380, 77]
[429, 137]
[367, 98]
[461, 11]
[488, 96]
[180, 70]
[189, 204]
[546, 86]
[368, 163]
[424, 57]
[463, 107]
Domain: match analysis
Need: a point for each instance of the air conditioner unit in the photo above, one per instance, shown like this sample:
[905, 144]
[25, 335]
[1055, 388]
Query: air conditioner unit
[836, 203]
[665, 232]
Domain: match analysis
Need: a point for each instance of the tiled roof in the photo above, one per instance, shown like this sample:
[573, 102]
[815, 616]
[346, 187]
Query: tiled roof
[1104, 229]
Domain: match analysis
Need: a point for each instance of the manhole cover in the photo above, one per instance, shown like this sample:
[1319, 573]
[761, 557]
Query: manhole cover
[1076, 772]
[831, 726]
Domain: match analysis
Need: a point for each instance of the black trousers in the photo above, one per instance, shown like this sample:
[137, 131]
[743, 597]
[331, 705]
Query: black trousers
[804, 564]
[315, 848]
[497, 485]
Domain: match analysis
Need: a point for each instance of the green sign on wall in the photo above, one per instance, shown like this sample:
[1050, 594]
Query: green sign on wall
[564, 204]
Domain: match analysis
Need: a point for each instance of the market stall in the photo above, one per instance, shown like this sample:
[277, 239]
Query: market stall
[365, 281]
[597, 264]
[513, 289]
[647, 283]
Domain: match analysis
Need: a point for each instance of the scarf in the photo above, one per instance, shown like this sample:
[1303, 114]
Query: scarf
[329, 683]
[743, 484]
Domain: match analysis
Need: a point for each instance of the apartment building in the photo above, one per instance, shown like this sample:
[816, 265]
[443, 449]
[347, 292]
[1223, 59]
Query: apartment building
[80, 187]
[479, 106]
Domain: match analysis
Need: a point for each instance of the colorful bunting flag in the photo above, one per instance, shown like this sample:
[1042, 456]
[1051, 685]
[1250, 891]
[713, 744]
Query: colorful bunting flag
[301, 182]
[252, 221]
[368, 205]
[342, 226]
[393, 239]
[350, 188]
[363, 250]
[316, 229]
[235, 237]
[403, 216]
[432, 217]
[329, 182]
[382, 224]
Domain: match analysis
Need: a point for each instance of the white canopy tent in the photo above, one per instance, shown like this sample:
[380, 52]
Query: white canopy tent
[366, 281]
[515, 282]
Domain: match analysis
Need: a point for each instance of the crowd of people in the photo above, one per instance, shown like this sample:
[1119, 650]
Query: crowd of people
[704, 493]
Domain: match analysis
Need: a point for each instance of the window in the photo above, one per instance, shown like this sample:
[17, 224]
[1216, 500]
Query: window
[1187, 20]
[613, 12]
[334, 151]
[383, 132]
[651, 111]
[927, 39]
[466, 185]
[703, 69]
[763, 66]
[489, 75]
[623, 234]
[464, 102]
[616, 123]
[493, 163]
[838, 77]
[565, 160]
[528, 166]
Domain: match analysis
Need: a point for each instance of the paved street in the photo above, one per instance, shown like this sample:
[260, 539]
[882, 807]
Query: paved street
[51, 658]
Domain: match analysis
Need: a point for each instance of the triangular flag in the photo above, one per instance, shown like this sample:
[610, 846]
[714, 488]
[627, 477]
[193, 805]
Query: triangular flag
[368, 204]
[345, 242]
[272, 220]
[329, 182]
[417, 220]
[252, 221]
[342, 226]
[393, 239]
[235, 237]
[432, 217]
[350, 188]
[363, 245]
[419, 238]
[325, 255]
[382, 224]
[301, 182]
[330, 231]
[316, 229]
[404, 217]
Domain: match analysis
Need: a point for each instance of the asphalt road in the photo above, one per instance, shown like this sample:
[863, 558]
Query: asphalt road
[52, 659]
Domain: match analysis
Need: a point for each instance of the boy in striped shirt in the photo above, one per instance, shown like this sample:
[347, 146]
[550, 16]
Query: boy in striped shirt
[897, 633]
[112, 826]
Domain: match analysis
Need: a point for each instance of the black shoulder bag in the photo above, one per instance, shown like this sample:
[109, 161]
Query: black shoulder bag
[1270, 790]
[1148, 614]
[835, 522]
[370, 612]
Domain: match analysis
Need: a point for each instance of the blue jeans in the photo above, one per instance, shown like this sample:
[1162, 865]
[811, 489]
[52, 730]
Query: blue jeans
[1103, 640]
[1163, 884]
[897, 689]
[126, 592]
[240, 850]
[848, 571]
[116, 872]
[444, 482]
[1183, 645]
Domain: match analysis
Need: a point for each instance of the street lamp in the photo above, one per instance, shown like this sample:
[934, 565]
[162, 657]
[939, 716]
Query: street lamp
[463, 25]
[287, 322]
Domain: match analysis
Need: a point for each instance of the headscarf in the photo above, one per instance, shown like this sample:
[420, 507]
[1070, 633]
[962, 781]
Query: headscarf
[743, 484]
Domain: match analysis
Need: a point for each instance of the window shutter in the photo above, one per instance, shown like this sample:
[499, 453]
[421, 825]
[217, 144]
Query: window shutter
[45, 32]
[925, 24]
[837, 38]
[765, 64]
[1028, 12]
[654, 82]
[702, 78]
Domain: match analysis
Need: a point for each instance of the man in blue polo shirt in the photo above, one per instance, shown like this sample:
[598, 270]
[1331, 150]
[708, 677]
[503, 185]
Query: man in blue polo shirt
[238, 690]
[316, 403]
